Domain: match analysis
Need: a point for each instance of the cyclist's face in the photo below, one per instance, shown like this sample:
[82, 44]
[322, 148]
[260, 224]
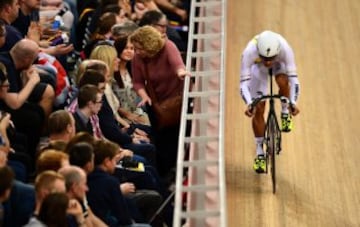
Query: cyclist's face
[267, 61]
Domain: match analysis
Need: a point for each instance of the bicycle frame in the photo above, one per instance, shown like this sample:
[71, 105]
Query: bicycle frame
[272, 124]
[272, 137]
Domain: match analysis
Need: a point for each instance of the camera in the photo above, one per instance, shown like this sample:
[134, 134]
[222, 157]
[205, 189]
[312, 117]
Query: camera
[128, 162]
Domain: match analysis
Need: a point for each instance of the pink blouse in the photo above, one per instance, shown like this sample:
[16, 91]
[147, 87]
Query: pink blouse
[161, 70]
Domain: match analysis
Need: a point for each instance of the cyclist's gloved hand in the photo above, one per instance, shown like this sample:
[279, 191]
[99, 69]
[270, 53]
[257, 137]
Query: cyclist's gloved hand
[249, 111]
[294, 109]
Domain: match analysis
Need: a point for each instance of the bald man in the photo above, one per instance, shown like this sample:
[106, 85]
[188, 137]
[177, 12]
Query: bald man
[19, 61]
[28, 100]
[76, 188]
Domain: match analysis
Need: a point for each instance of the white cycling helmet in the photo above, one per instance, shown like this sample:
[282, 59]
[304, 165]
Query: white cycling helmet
[268, 44]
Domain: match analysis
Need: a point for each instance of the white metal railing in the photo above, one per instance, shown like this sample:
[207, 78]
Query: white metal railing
[202, 202]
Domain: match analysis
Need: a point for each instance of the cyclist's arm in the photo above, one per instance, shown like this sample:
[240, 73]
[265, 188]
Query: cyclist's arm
[245, 91]
[289, 58]
[294, 88]
[248, 58]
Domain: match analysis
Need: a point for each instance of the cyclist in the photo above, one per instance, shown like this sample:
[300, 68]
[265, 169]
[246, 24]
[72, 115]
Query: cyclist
[268, 50]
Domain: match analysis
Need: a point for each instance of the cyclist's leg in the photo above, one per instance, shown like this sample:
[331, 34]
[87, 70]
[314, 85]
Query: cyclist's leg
[282, 81]
[258, 124]
[259, 86]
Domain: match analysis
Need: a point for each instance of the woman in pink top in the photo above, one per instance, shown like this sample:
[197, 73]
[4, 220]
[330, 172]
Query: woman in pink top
[158, 61]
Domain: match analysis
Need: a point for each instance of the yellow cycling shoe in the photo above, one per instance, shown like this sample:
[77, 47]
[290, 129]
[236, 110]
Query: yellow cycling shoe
[260, 164]
[286, 122]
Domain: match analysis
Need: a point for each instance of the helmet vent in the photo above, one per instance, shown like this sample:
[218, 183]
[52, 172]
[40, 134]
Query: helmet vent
[267, 51]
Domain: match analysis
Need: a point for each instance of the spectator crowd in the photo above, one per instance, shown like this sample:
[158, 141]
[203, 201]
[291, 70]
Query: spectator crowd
[80, 141]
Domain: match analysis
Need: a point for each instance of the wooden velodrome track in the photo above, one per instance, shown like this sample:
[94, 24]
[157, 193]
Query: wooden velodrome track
[318, 171]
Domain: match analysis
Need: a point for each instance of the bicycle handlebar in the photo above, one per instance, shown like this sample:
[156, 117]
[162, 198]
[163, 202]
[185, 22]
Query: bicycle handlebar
[263, 97]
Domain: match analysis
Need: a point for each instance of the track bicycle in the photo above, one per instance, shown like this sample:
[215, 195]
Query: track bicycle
[272, 137]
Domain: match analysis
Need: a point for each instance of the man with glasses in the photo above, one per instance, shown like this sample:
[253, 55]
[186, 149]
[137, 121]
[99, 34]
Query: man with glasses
[89, 103]
[159, 21]
[266, 51]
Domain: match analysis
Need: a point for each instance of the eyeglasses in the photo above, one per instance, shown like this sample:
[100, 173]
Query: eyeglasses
[267, 58]
[161, 25]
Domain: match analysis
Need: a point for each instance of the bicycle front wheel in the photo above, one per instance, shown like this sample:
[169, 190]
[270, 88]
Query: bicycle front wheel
[271, 149]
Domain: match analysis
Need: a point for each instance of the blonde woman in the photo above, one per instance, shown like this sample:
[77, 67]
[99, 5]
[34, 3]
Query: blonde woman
[108, 54]
[158, 64]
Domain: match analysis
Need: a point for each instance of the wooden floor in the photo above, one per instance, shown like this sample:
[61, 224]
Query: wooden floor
[319, 169]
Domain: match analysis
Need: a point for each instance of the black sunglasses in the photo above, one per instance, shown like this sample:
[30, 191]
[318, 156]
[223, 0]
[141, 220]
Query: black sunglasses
[267, 58]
